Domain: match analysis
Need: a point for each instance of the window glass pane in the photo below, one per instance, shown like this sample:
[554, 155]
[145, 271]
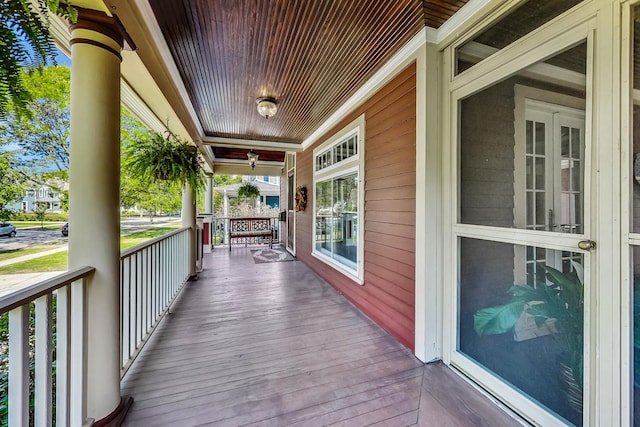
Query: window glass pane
[523, 324]
[540, 138]
[504, 153]
[337, 219]
[540, 174]
[529, 137]
[522, 20]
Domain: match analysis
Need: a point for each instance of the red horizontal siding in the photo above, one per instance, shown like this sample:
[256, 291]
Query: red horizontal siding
[388, 293]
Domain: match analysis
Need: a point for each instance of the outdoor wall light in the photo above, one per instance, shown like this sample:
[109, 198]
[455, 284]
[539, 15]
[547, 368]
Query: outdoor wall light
[267, 106]
[253, 158]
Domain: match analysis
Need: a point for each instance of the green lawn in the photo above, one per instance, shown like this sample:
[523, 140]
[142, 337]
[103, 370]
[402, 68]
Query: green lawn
[54, 225]
[133, 239]
[15, 253]
[53, 262]
[58, 261]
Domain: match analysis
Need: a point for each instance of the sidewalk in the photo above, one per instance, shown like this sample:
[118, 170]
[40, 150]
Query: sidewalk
[12, 282]
[32, 256]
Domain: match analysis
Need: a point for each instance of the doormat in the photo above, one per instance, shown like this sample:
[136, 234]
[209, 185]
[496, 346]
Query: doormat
[270, 255]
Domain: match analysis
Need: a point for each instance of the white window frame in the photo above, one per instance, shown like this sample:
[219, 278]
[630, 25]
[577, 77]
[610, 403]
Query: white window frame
[353, 164]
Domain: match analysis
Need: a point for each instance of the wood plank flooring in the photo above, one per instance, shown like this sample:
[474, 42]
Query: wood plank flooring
[273, 345]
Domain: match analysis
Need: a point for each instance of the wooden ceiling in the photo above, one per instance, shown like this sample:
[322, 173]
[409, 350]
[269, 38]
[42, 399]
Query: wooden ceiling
[311, 55]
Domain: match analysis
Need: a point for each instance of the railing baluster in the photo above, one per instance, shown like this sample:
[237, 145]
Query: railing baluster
[78, 402]
[63, 347]
[152, 275]
[44, 340]
[19, 366]
[70, 350]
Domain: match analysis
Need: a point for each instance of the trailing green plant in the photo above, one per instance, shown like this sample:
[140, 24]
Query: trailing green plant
[155, 158]
[248, 190]
[557, 304]
[26, 43]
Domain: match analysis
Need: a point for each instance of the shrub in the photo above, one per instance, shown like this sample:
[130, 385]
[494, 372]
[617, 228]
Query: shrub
[31, 216]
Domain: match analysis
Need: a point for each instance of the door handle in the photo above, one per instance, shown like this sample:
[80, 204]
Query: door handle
[587, 245]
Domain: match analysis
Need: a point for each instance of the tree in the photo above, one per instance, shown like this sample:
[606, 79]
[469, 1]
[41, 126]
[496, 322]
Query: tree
[43, 138]
[26, 44]
[40, 209]
[11, 186]
[137, 191]
[152, 198]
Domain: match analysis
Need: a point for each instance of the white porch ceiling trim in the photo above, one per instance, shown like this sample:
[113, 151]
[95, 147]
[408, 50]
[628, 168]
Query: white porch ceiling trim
[245, 162]
[244, 143]
[139, 108]
[156, 35]
[464, 14]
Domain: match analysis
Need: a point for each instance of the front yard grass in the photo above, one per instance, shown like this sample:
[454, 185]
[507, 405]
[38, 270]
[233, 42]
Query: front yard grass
[59, 261]
[52, 262]
[15, 253]
[47, 225]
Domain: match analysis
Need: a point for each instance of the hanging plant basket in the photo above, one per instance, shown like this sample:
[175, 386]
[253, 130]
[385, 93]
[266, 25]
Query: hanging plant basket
[156, 158]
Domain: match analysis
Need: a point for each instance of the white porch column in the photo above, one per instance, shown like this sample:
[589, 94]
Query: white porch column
[208, 196]
[94, 182]
[225, 213]
[189, 220]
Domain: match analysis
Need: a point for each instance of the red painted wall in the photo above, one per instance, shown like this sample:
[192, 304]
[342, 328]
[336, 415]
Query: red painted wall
[388, 293]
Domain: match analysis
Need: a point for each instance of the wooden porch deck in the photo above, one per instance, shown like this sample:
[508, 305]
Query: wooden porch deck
[273, 345]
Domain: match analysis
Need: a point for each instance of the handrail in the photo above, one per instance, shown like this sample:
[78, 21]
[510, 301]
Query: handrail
[25, 295]
[137, 248]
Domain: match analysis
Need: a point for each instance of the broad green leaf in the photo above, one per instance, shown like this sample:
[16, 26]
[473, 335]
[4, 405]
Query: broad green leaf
[497, 320]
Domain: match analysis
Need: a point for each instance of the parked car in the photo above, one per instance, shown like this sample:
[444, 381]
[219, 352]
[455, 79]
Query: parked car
[65, 230]
[7, 229]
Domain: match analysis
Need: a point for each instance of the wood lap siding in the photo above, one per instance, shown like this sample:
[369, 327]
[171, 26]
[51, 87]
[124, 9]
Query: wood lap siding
[388, 293]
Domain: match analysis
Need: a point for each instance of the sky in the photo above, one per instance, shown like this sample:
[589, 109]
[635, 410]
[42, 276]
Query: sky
[61, 59]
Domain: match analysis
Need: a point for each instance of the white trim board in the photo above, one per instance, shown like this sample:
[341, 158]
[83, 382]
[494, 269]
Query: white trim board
[255, 143]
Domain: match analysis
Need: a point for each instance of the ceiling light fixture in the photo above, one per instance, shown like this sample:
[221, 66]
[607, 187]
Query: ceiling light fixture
[253, 158]
[267, 106]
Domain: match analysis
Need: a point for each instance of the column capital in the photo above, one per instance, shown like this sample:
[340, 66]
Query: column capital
[101, 23]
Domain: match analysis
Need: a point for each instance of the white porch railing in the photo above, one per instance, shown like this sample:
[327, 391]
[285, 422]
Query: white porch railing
[151, 276]
[33, 342]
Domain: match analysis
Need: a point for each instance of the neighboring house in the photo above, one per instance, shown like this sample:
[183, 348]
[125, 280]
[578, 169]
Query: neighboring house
[269, 190]
[50, 193]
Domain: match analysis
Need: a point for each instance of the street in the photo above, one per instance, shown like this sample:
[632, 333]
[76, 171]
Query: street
[34, 236]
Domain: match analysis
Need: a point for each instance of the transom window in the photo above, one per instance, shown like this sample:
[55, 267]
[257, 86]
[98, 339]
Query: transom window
[343, 150]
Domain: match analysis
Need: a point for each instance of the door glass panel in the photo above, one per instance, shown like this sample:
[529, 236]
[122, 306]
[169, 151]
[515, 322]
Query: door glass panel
[526, 17]
[636, 335]
[522, 147]
[634, 189]
[635, 175]
[521, 316]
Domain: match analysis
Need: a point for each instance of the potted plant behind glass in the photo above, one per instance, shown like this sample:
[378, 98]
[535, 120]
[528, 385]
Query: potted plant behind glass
[556, 304]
